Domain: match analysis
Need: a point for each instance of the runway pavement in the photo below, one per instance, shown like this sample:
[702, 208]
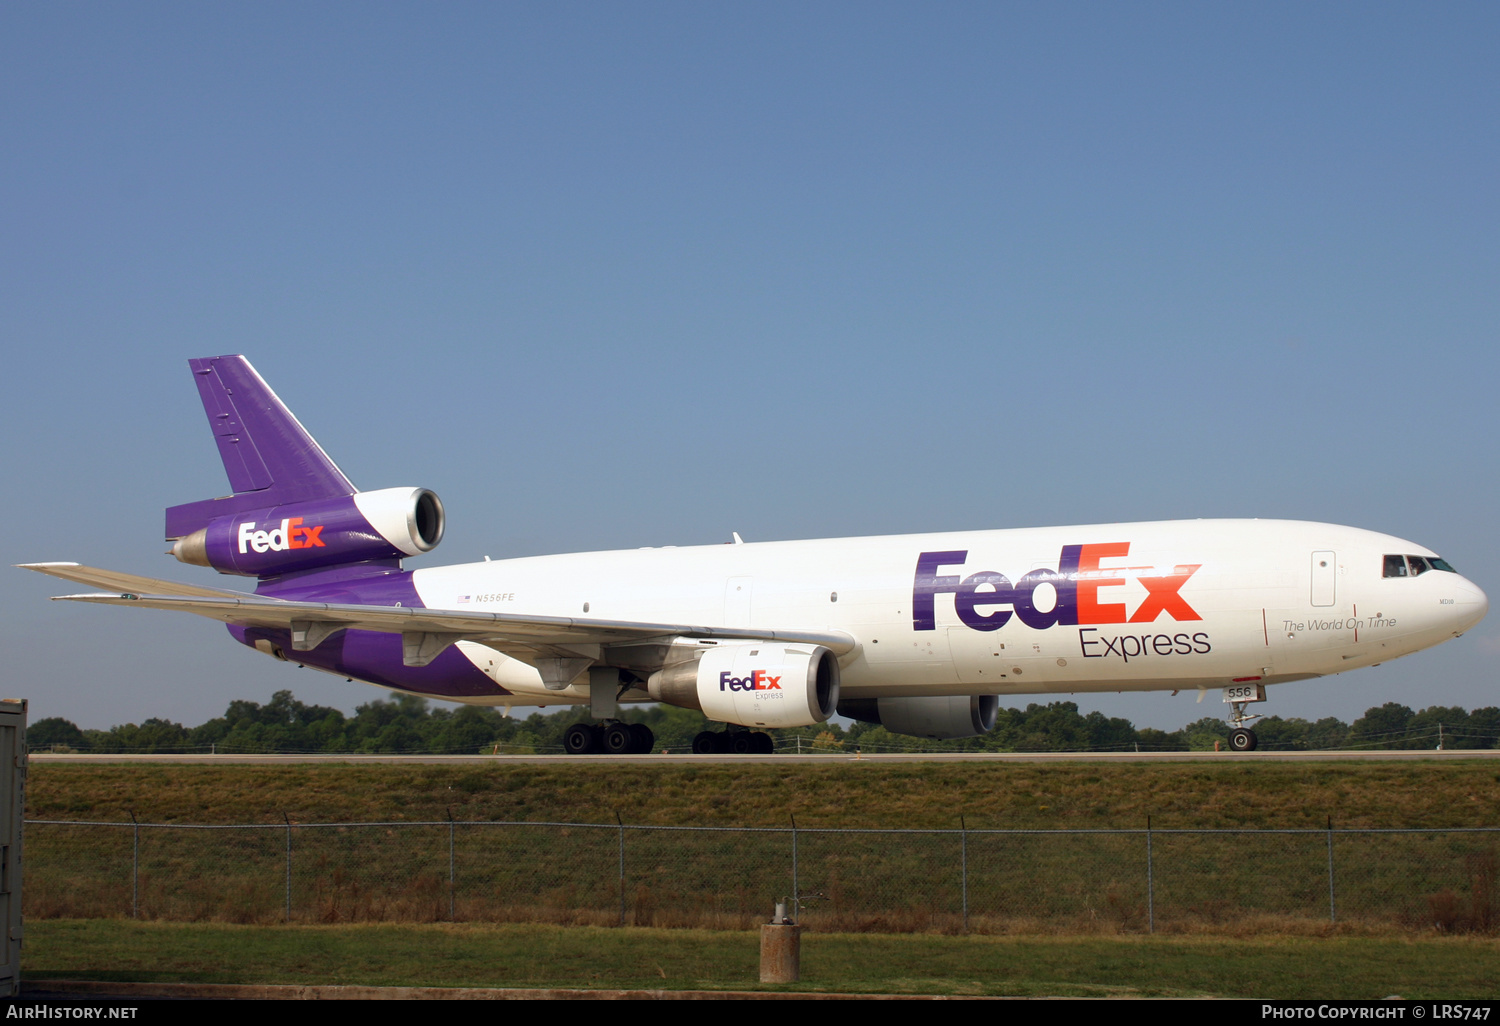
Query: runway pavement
[842, 758]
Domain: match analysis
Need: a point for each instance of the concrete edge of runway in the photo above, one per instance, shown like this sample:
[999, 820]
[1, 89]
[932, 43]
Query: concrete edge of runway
[832, 759]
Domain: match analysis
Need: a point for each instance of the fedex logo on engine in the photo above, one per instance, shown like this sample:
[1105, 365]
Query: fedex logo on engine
[290, 535]
[1076, 583]
[758, 680]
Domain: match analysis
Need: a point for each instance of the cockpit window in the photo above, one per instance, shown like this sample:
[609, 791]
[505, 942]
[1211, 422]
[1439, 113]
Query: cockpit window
[1414, 566]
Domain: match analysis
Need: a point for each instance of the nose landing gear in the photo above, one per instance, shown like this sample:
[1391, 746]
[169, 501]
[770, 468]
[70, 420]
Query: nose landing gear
[1241, 737]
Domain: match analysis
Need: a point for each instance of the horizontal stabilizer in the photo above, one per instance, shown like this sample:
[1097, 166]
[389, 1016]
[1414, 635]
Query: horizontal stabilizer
[118, 582]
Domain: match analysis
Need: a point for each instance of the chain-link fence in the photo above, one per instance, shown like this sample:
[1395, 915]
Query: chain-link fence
[989, 881]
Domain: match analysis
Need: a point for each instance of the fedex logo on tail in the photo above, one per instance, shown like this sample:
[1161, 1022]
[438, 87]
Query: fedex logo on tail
[1076, 582]
[758, 680]
[290, 535]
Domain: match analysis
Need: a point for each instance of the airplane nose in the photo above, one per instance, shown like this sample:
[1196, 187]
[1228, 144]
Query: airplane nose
[1470, 604]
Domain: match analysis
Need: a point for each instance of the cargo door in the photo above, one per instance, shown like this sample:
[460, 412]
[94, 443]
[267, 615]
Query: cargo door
[1325, 569]
[737, 595]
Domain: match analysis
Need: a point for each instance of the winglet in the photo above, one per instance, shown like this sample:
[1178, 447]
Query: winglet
[267, 453]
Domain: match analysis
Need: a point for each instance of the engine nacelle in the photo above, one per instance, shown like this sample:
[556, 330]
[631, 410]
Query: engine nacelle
[942, 718]
[385, 524]
[754, 684]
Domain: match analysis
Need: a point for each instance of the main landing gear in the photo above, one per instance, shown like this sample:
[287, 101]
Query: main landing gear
[1241, 737]
[733, 742]
[610, 738]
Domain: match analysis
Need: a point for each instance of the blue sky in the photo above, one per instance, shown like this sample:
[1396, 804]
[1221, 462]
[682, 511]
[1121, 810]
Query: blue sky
[618, 275]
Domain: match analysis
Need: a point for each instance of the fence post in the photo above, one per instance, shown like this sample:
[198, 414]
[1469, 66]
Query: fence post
[1150, 883]
[288, 820]
[622, 866]
[135, 869]
[1332, 908]
[963, 863]
[451, 877]
[796, 890]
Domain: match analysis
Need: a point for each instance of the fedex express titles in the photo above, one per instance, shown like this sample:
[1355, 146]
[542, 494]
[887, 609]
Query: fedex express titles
[1076, 583]
[290, 535]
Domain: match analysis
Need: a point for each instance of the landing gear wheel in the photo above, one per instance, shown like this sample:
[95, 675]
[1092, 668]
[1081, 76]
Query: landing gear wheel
[762, 743]
[619, 739]
[644, 739]
[742, 742]
[581, 739]
[704, 743]
[1242, 739]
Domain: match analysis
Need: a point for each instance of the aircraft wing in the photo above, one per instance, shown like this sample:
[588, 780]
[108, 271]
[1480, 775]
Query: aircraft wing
[525, 637]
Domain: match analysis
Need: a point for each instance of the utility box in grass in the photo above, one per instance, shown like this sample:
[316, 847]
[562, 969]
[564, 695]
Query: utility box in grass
[12, 816]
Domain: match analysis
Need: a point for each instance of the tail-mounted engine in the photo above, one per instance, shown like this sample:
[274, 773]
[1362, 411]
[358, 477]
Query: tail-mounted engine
[386, 524]
[754, 684]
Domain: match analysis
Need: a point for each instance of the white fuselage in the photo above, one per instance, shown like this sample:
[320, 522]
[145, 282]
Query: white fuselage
[1166, 605]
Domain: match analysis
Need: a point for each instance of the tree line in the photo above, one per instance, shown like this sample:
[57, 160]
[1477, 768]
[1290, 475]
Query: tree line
[407, 724]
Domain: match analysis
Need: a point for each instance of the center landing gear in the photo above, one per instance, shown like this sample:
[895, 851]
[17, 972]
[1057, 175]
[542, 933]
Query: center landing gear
[611, 738]
[733, 742]
[1241, 737]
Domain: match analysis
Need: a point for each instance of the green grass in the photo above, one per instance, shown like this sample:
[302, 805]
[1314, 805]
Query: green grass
[840, 793]
[544, 956]
[1054, 883]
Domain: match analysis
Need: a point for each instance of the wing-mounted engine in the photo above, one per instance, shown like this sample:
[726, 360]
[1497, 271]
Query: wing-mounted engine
[753, 684]
[385, 524]
[943, 718]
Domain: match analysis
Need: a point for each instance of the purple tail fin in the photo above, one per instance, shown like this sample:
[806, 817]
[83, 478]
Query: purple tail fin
[269, 457]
